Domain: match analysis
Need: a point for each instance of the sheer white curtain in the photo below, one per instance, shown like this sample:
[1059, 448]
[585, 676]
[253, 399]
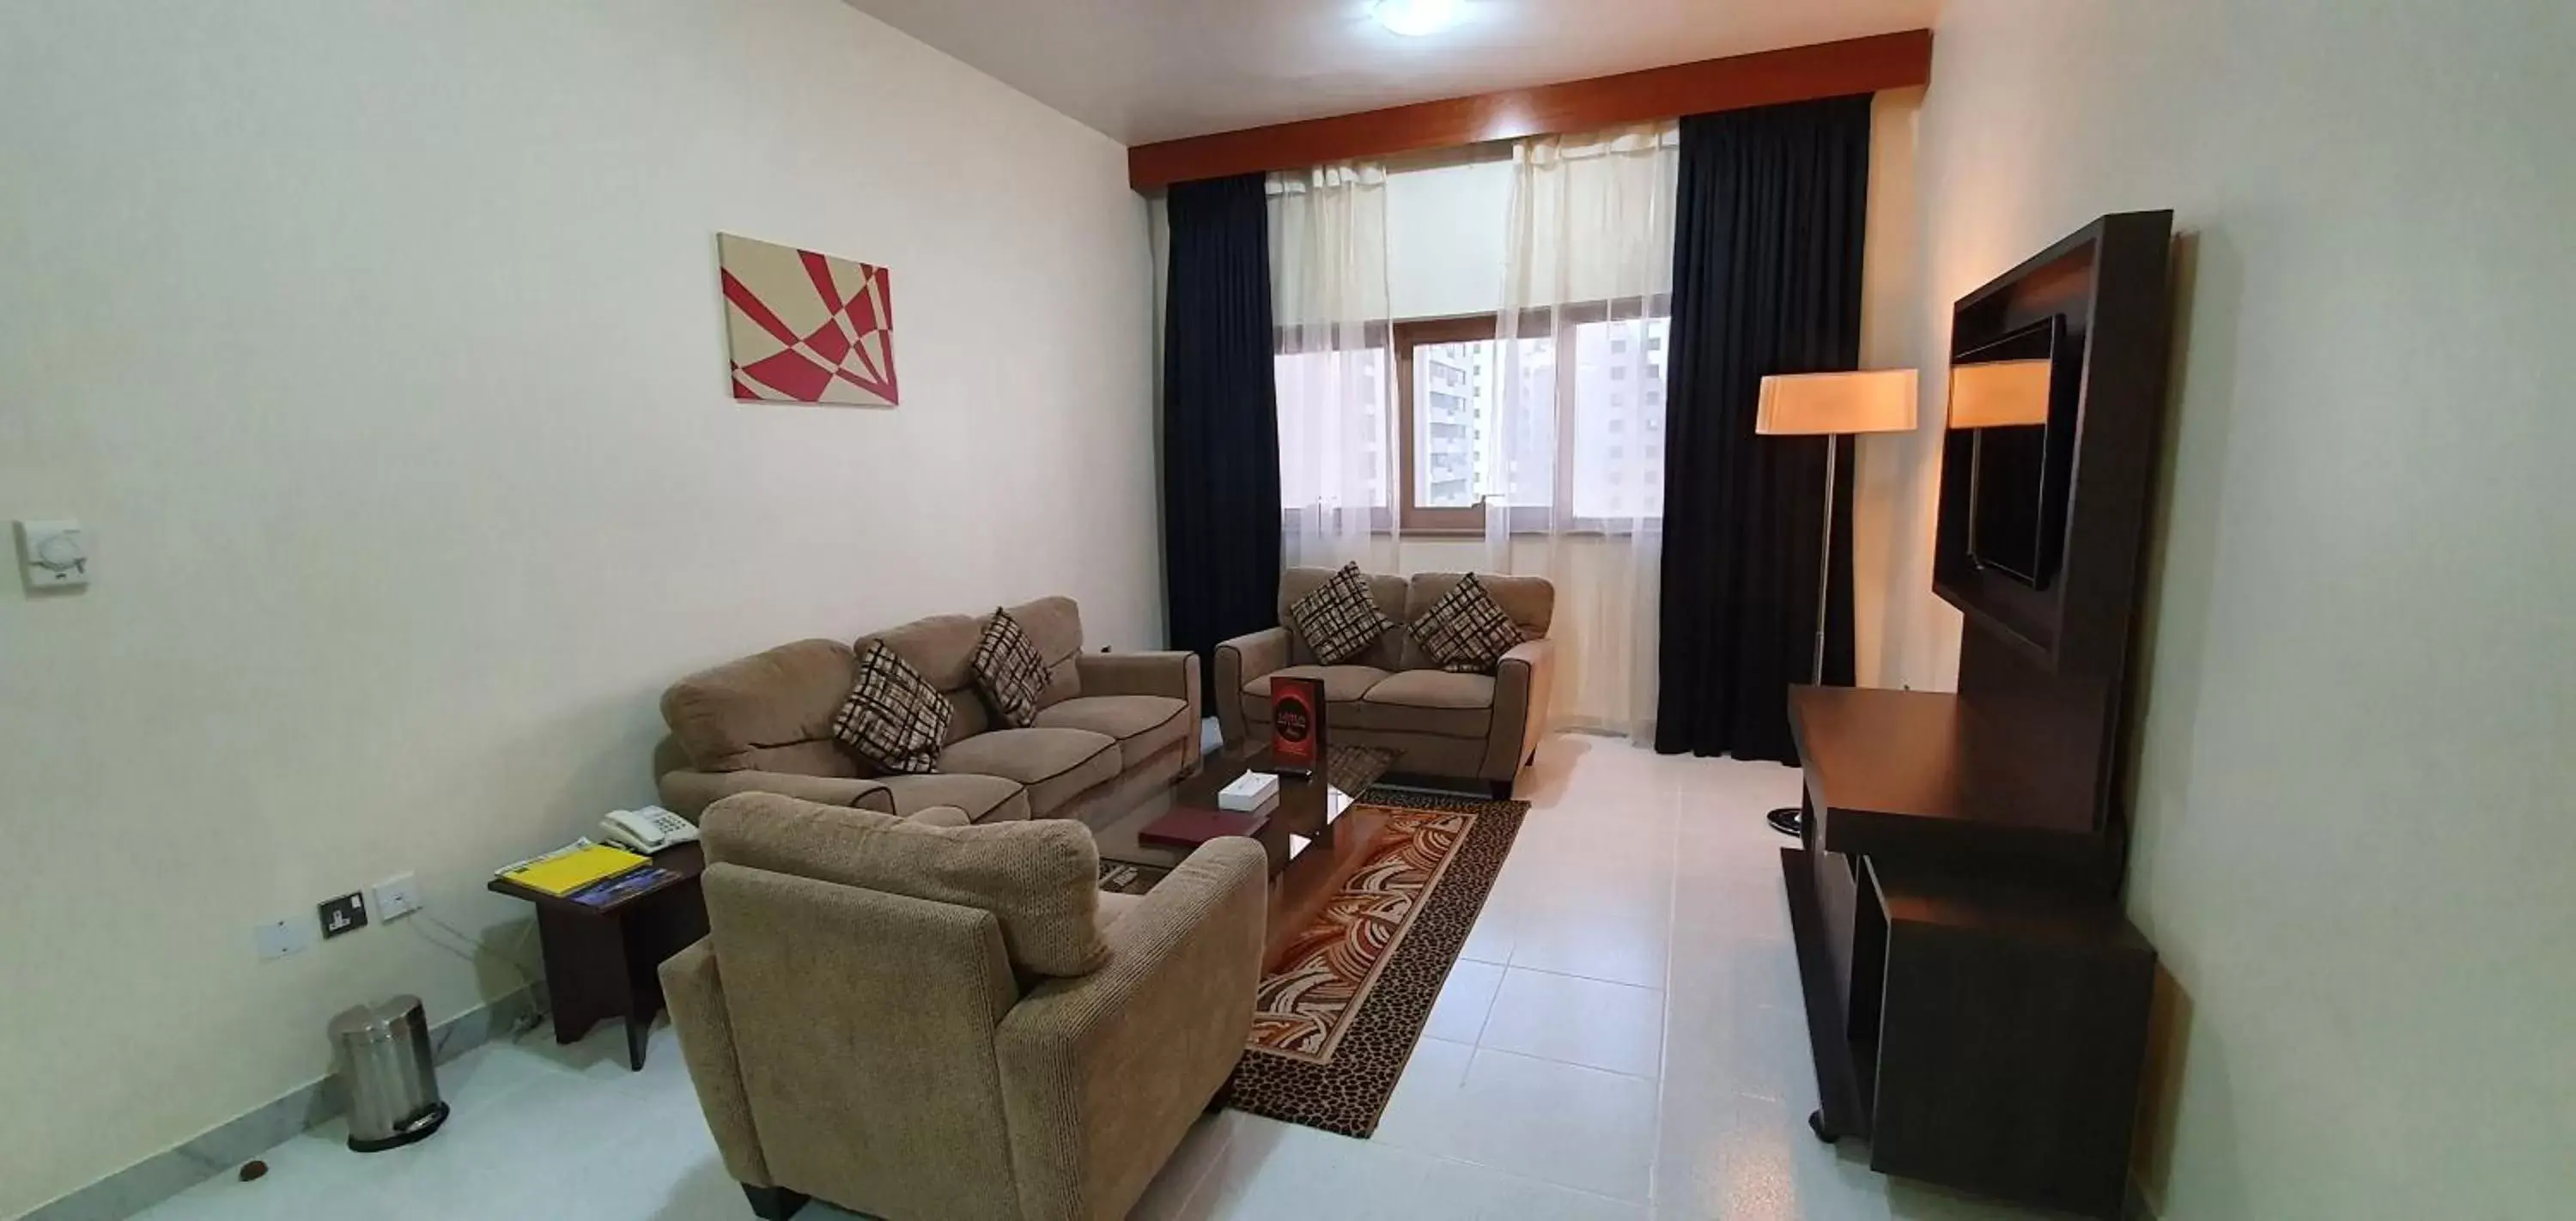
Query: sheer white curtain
[1576, 446]
[1337, 418]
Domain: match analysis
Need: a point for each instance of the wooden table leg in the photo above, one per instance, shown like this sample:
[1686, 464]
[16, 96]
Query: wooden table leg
[586, 973]
[608, 965]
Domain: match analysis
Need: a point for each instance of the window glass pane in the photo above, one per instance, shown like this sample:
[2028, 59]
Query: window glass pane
[1453, 407]
[1529, 444]
[1619, 418]
[1334, 436]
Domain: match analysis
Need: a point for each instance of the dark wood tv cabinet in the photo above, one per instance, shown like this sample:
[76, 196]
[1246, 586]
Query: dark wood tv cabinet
[1976, 1001]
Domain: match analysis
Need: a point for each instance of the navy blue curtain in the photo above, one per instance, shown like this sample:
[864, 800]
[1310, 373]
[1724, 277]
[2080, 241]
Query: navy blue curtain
[1220, 419]
[1766, 279]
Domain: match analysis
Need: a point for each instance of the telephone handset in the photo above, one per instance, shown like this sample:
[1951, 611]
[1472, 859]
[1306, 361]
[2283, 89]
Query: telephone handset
[648, 830]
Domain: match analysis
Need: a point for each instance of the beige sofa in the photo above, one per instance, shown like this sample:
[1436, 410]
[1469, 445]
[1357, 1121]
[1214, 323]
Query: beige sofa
[1111, 727]
[864, 1022]
[1470, 726]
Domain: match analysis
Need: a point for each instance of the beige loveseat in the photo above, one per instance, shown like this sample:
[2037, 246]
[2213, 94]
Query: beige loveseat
[1111, 727]
[955, 1024]
[1471, 726]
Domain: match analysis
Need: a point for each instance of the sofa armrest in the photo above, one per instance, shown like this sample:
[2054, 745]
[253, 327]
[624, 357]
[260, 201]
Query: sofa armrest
[694, 993]
[1174, 673]
[1239, 661]
[1103, 1074]
[688, 792]
[1524, 681]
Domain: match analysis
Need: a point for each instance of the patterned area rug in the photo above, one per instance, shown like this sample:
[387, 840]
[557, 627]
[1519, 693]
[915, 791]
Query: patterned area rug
[1333, 1027]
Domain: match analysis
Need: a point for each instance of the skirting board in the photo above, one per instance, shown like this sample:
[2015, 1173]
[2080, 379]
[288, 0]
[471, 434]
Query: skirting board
[227, 1145]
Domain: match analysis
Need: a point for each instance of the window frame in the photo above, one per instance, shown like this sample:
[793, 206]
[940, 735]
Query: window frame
[1413, 517]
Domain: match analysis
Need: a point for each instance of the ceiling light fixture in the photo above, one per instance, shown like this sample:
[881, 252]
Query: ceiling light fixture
[1415, 18]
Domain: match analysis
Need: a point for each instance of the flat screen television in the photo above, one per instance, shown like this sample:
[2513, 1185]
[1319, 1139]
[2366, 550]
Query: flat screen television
[2013, 397]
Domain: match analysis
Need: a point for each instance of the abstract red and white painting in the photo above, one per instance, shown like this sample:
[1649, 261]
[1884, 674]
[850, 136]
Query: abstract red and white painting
[806, 327]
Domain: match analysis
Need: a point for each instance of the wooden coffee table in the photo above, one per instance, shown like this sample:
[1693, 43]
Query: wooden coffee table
[1316, 833]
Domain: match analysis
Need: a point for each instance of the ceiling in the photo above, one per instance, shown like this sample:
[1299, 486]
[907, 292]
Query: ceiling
[1147, 70]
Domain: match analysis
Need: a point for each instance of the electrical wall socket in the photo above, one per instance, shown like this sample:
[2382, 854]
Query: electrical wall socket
[279, 938]
[341, 914]
[396, 897]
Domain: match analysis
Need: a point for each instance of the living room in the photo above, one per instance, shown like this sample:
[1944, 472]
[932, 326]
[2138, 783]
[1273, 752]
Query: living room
[499, 468]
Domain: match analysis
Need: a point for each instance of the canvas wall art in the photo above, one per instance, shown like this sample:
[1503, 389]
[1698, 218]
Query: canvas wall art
[806, 327]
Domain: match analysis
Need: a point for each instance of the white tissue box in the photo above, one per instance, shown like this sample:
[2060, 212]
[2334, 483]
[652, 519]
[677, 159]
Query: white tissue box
[1250, 791]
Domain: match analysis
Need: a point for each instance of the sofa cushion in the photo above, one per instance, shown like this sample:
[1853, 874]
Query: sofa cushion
[1342, 685]
[893, 720]
[1389, 592]
[1339, 621]
[1425, 701]
[736, 716]
[941, 646]
[1041, 880]
[984, 798]
[1008, 671]
[1464, 631]
[1054, 626]
[1056, 764]
[1143, 724]
[1530, 601]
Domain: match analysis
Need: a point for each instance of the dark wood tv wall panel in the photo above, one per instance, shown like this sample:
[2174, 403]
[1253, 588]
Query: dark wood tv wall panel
[2047, 669]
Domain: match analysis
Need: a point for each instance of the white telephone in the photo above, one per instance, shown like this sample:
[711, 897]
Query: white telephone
[648, 830]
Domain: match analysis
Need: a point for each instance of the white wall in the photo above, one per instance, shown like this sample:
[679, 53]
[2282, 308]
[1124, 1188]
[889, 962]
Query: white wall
[2353, 831]
[379, 346]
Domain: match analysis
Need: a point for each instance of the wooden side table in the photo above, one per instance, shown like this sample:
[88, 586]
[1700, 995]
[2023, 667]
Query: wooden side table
[604, 962]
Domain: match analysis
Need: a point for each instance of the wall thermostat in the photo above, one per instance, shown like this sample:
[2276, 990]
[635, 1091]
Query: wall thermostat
[54, 553]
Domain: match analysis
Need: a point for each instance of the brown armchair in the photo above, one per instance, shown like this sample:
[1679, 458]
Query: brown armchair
[953, 1022]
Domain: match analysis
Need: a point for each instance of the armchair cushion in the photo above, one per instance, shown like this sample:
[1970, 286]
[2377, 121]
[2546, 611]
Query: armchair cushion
[1040, 880]
[1056, 764]
[1143, 724]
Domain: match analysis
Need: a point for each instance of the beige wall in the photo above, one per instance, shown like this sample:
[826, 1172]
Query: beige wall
[2353, 832]
[379, 346]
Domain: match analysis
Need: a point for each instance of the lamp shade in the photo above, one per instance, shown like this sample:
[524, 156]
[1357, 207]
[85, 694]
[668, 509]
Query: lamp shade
[1812, 404]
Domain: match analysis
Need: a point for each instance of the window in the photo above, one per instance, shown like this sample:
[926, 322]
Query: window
[1445, 392]
[1602, 460]
[1613, 481]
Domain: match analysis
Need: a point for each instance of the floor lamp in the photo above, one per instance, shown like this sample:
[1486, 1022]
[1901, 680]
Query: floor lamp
[1831, 405]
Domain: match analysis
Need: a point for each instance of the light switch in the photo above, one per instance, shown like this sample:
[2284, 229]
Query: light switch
[54, 553]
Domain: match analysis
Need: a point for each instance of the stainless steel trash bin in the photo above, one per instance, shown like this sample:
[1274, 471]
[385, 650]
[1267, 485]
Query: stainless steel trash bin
[385, 1068]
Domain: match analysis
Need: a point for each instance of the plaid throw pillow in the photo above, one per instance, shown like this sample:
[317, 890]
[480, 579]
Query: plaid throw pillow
[1008, 670]
[1339, 621]
[894, 720]
[1465, 631]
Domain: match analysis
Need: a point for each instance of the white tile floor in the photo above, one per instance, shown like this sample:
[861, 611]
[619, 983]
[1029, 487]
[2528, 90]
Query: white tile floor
[1621, 1040]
